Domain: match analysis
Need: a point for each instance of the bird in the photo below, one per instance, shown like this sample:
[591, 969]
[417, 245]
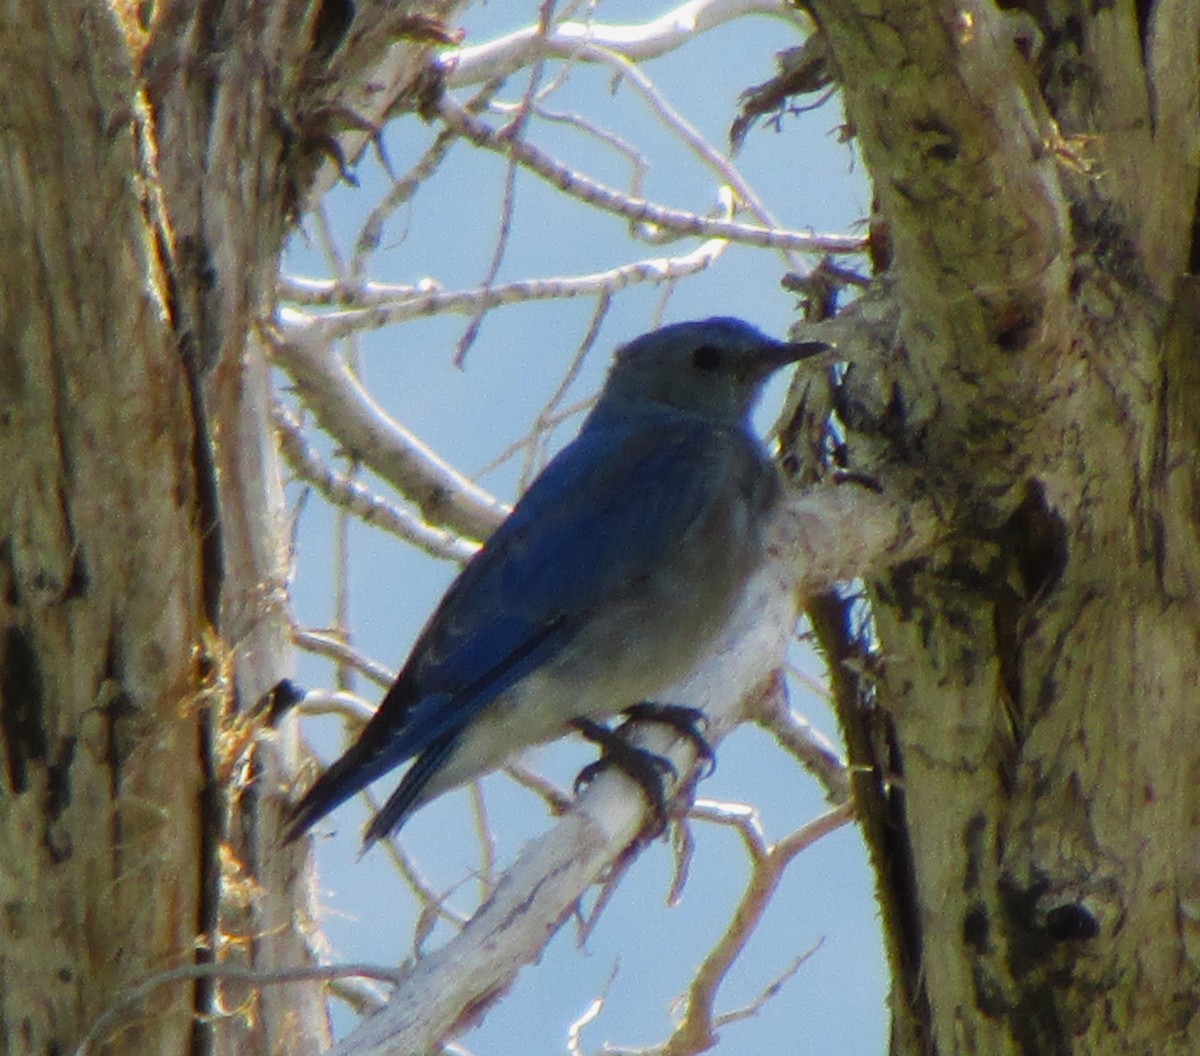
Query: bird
[606, 584]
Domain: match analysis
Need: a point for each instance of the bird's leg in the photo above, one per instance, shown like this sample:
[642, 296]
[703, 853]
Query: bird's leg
[647, 770]
[687, 722]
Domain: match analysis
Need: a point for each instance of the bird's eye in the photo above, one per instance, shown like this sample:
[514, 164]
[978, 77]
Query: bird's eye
[706, 357]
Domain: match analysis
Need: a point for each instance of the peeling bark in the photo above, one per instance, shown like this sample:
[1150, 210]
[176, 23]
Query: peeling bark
[100, 572]
[149, 174]
[1028, 747]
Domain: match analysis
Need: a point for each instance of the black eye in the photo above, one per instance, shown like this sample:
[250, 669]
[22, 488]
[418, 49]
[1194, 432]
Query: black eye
[706, 357]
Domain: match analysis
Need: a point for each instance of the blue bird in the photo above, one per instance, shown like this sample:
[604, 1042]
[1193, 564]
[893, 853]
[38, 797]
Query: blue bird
[605, 585]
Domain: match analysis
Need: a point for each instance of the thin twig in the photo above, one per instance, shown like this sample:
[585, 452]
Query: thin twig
[555, 798]
[374, 305]
[548, 416]
[486, 873]
[591, 1013]
[638, 209]
[769, 992]
[104, 1026]
[638, 164]
[796, 735]
[514, 130]
[330, 646]
[354, 497]
[695, 1032]
[348, 706]
[384, 305]
[690, 135]
[530, 439]
[371, 234]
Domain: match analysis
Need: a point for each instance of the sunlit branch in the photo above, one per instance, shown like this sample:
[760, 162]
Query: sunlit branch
[696, 1031]
[375, 305]
[811, 748]
[636, 158]
[637, 209]
[333, 648]
[348, 412]
[690, 135]
[636, 41]
[355, 497]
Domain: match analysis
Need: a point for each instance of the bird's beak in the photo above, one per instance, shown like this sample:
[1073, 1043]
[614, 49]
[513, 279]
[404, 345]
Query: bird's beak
[798, 350]
[780, 353]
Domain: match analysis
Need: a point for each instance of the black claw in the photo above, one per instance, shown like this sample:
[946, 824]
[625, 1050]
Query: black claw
[686, 721]
[647, 770]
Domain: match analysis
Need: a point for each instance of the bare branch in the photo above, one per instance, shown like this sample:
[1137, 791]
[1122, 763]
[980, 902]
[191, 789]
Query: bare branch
[349, 414]
[340, 702]
[551, 413]
[690, 135]
[637, 209]
[515, 129]
[760, 1002]
[435, 907]
[815, 752]
[375, 305]
[557, 801]
[335, 649]
[109, 1021]
[696, 1032]
[486, 873]
[361, 996]
[738, 816]
[299, 290]
[357, 499]
[590, 1014]
[647, 40]
[638, 163]
[401, 191]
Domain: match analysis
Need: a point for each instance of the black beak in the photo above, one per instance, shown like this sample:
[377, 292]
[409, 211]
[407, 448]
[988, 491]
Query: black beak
[798, 350]
[780, 353]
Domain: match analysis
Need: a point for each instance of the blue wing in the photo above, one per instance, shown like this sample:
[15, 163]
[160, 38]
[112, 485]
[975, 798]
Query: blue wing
[607, 511]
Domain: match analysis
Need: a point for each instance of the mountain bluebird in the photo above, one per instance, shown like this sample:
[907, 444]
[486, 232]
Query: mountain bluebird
[606, 584]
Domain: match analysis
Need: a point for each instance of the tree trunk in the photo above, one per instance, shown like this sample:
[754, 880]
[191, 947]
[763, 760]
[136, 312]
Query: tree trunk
[103, 699]
[1027, 747]
[149, 173]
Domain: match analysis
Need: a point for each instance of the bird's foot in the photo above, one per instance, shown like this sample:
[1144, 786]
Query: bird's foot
[688, 722]
[647, 770]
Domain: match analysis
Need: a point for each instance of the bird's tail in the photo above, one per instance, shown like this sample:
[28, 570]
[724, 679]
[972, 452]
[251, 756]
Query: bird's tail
[408, 794]
[361, 765]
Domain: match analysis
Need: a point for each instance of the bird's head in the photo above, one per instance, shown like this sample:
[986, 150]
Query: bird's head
[714, 368]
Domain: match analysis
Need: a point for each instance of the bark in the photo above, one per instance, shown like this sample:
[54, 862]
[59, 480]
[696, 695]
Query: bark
[102, 699]
[150, 172]
[1026, 746]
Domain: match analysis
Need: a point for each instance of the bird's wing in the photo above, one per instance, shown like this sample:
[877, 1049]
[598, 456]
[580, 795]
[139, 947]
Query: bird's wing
[607, 511]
